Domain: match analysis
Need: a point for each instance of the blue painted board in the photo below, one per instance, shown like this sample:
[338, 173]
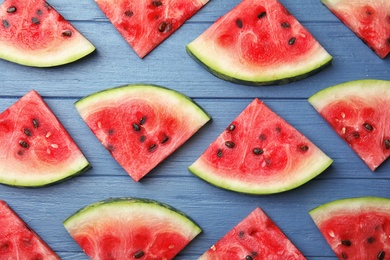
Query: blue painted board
[215, 210]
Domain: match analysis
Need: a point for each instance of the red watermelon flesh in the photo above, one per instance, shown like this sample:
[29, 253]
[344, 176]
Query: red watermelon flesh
[356, 228]
[145, 24]
[35, 148]
[359, 113]
[259, 42]
[18, 240]
[140, 125]
[369, 20]
[33, 33]
[260, 153]
[255, 237]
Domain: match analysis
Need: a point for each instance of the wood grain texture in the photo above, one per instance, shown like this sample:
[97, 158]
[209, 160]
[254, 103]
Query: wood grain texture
[215, 210]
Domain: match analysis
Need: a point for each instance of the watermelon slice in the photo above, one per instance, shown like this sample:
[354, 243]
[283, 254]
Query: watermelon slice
[33, 33]
[145, 24]
[35, 149]
[260, 153]
[359, 113]
[255, 237]
[140, 125]
[18, 240]
[259, 43]
[369, 20]
[131, 228]
[356, 228]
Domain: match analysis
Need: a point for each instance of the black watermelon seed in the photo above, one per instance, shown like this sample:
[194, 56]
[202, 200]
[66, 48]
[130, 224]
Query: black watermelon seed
[67, 33]
[6, 24]
[231, 127]
[388, 41]
[152, 148]
[356, 134]
[346, 242]
[219, 153]
[110, 131]
[166, 138]
[156, 3]
[142, 138]
[39, 12]
[11, 9]
[230, 144]
[136, 127]
[387, 144]
[258, 151]
[162, 26]
[129, 13]
[27, 132]
[368, 127]
[143, 120]
[241, 234]
[35, 123]
[139, 254]
[344, 255]
[20, 153]
[239, 23]
[381, 255]
[35, 20]
[262, 137]
[285, 25]
[303, 148]
[24, 144]
[370, 240]
[292, 41]
[261, 15]
[248, 257]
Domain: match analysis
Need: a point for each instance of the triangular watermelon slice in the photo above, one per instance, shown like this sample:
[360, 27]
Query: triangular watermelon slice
[369, 20]
[140, 125]
[255, 237]
[18, 240]
[131, 228]
[356, 228]
[260, 153]
[259, 42]
[33, 33]
[35, 148]
[145, 24]
[359, 113]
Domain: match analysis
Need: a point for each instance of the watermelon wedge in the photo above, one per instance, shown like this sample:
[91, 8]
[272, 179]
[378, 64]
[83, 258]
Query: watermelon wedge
[260, 153]
[131, 228]
[369, 20]
[140, 125]
[33, 33]
[145, 24]
[356, 228]
[259, 42]
[359, 113]
[255, 237]
[35, 148]
[18, 240]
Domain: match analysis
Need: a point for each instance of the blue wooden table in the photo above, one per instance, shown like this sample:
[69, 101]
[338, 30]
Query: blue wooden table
[215, 210]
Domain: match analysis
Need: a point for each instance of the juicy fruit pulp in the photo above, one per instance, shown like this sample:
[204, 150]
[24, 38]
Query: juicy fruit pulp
[369, 20]
[359, 113]
[140, 125]
[255, 237]
[260, 153]
[356, 228]
[18, 241]
[129, 228]
[145, 24]
[35, 149]
[33, 33]
[258, 43]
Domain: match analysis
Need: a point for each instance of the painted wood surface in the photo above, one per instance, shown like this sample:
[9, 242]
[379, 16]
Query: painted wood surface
[215, 210]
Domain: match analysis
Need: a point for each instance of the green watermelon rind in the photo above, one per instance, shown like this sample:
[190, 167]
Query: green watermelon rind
[321, 163]
[259, 79]
[78, 167]
[111, 93]
[341, 207]
[362, 87]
